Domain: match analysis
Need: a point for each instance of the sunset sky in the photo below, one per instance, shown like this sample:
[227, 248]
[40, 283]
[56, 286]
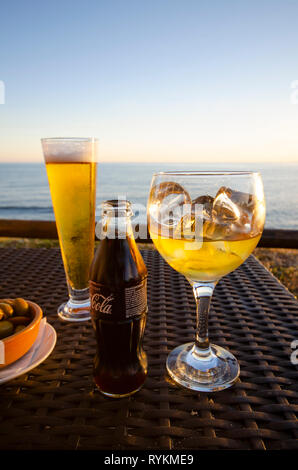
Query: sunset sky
[159, 80]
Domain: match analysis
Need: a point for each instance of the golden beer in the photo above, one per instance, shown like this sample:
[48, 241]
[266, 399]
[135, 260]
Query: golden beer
[71, 169]
[72, 186]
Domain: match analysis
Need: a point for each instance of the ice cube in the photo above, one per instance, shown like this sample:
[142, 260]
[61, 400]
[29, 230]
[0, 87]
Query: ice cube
[169, 188]
[207, 204]
[230, 215]
[185, 227]
[224, 208]
[166, 209]
[190, 227]
[244, 200]
[214, 230]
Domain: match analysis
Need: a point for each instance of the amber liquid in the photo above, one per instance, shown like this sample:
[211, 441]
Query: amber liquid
[72, 186]
[205, 260]
[120, 364]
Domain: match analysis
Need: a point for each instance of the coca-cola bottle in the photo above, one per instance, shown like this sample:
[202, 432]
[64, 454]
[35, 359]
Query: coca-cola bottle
[118, 290]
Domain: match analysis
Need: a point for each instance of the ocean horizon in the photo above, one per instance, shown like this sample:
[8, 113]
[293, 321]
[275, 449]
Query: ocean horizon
[25, 194]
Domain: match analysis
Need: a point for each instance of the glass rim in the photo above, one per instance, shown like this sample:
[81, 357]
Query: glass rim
[207, 173]
[116, 203]
[69, 139]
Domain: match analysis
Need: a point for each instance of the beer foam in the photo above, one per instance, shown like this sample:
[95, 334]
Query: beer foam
[69, 150]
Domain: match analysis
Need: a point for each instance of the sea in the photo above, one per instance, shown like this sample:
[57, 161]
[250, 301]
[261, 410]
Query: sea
[25, 194]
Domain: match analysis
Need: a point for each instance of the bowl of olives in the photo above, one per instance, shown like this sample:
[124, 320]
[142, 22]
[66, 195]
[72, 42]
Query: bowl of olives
[19, 325]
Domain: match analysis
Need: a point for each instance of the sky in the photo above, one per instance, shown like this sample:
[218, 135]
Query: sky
[153, 80]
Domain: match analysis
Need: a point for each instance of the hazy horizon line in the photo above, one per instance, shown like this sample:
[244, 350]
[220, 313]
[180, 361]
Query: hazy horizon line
[262, 162]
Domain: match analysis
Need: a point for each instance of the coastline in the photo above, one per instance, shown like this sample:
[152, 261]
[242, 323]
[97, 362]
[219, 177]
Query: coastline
[25, 193]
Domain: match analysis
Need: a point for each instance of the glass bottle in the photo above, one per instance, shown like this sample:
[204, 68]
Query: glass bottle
[118, 291]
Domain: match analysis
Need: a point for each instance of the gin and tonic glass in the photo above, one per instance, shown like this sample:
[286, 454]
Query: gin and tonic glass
[205, 225]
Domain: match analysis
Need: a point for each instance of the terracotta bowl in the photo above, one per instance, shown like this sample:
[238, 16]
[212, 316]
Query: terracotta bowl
[16, 345]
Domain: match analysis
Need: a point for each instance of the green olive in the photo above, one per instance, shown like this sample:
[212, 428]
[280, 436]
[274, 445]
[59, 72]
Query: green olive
[7, 309]
[20, 320]
[21, 307]
[19, 328]
[7, 301]
[6, 328]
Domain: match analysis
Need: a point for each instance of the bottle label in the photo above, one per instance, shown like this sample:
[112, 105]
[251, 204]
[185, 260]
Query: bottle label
[107, 303]
[136, 299]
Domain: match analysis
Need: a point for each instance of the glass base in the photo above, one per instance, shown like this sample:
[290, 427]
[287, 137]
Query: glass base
[74, 311]
[119, 395]
[214, 370]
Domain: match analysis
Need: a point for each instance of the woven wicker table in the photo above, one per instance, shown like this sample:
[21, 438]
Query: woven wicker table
[56, 405]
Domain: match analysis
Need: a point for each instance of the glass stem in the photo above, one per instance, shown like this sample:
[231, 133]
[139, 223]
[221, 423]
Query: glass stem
[203, 294]
[78, 296]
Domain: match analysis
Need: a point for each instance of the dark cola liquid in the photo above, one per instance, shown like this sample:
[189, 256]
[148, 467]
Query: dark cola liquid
[118, 310]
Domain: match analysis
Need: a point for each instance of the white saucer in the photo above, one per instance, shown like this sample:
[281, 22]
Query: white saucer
[41, 349]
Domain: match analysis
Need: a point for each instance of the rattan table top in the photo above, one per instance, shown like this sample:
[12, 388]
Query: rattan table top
[56, 405]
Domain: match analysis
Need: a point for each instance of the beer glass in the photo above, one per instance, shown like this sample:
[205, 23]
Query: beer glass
[71, 169]
[205, 225]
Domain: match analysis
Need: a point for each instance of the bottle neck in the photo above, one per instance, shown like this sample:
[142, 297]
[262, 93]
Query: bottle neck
[118, 227]
[116, 219]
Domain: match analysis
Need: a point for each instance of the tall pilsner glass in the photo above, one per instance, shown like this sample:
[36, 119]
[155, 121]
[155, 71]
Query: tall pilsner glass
[205, 225]
[71, 169]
